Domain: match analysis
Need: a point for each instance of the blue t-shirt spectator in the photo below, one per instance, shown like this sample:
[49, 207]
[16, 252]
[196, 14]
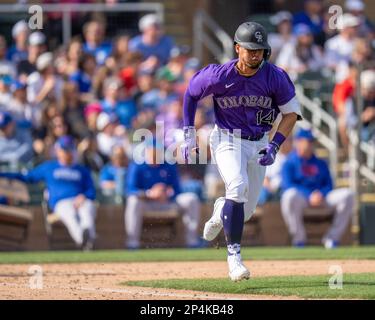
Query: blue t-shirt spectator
[161, 50]
[15, 55]
[62, 182]
[142, 177]
[125, 110]
[306, 175]
[101, 53]
[82, 80]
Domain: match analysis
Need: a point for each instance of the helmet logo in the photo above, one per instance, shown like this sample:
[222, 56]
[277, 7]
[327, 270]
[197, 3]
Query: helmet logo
[259, 36]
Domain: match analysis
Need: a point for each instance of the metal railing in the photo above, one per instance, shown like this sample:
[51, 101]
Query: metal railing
[318, 117]
[67, 9]
[203, 20]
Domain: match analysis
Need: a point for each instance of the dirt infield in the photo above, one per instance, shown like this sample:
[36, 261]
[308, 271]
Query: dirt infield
[102, 280]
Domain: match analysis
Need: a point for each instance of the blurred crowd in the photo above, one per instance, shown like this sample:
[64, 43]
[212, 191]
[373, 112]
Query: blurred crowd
[99, 89]
[332, 47]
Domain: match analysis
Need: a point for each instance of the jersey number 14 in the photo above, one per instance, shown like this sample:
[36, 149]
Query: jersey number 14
[265, 117]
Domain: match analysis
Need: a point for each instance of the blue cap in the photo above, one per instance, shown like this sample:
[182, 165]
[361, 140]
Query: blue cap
[192, 64]
[66, 143]
[304, 134]
[301, 29]
[17, 85]
[5, 119]
[6, 79]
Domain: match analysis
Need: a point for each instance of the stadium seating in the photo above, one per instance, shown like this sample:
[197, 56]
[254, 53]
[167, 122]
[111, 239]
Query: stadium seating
[14, 220]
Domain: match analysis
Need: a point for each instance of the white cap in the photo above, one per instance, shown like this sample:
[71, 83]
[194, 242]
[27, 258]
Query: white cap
[148, 20]
[44, 60]
[347, 20]
[368, 80]
[104, 119]
[19, 27]
[280, 17]
[354, 5]
[37, 38]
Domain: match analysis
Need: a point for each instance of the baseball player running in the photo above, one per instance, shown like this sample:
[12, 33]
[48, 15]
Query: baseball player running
[248, 94]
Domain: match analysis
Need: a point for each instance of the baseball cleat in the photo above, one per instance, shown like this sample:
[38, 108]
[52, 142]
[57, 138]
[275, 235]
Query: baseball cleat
[237, 270]
[213, 226]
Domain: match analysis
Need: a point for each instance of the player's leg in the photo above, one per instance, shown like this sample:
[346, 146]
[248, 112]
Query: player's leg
[292, 205]
[231, 160]
[228, 161]
[256, 175]
[133, 220]
[68, 215]
[87, 213]
[190, 204]
[343, 201]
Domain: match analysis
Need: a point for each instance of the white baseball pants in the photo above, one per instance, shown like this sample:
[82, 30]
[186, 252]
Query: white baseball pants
[293, 204]
[188, 202]
[77, 220]
[236, 161]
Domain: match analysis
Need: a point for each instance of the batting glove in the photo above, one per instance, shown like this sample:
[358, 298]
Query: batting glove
[190, 143]
[269, 154]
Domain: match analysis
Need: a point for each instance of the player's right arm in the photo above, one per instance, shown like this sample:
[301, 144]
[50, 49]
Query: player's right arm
[200, 86]
[33, 176]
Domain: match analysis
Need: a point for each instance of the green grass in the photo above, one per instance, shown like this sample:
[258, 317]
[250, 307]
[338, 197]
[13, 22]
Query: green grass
[149, 255]
[355, 286]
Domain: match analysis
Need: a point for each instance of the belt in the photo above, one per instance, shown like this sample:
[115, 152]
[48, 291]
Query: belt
[250, 138]
[253, 138]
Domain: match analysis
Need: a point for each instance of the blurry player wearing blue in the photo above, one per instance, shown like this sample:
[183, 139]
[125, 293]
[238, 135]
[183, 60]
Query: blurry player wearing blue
[248, 94]
[71, 191]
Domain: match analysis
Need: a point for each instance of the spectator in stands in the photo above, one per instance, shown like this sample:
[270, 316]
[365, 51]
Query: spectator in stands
[71, 191]
[88, 153]
[91, 112]
[306, 182]
[36, 46]
[366, 27]
[117, 59]
[18, 51]
[312, 16]
[94, 33]
[72, 110]
[6, 66]
[113, 174]
[340, 47]
[145, 83]
[43, 83]
[19, 108]
[302, 55]
[160, 97]
[15, 145]
[368, 114]
[344, 103]
[178, 58]
[362, 53]
[283, 35]
[110, 133]
[152, 186]
[172, 120]
[118, 102]
[56, 128]
[273, 179]
[84, 76]
[152, 43]
[5, 93]
[73, 55]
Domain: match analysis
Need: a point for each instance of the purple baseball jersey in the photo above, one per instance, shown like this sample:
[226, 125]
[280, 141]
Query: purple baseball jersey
[246, 103]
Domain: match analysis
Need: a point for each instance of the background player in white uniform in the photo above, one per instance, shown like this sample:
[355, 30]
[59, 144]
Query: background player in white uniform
[248, 94]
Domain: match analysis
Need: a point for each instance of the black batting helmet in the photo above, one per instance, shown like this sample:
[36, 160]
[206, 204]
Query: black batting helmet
[253, 36]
